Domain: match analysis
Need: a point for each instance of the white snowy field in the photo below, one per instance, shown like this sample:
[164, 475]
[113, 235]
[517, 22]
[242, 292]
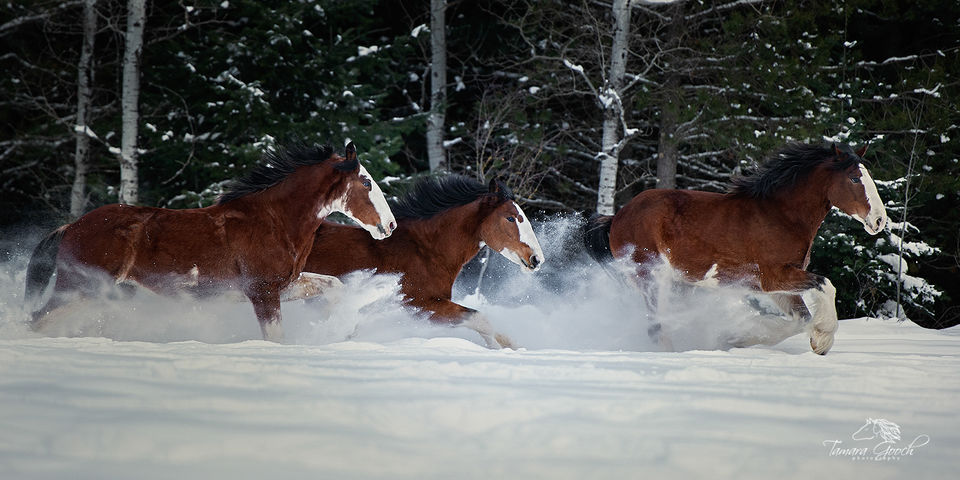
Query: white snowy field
[448, 408]
[158, 388]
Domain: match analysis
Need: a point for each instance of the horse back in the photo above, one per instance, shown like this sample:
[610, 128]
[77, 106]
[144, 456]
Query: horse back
[410, 251]
[699, 232]
[147, 243]
[690, 229]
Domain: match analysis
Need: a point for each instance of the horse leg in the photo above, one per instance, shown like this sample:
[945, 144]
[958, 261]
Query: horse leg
[267, 307]
[309, 285]
[456, 315]
[73, 284]
[644, 282]
[822, 324]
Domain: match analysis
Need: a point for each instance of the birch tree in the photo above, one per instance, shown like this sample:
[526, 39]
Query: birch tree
[85, 72]
[133, 46]
[438, 85]
[613, 109]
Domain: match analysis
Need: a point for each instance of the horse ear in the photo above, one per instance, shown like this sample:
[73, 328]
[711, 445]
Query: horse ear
[494, 187]
[862, 150]
[840, 154]
[351, 153]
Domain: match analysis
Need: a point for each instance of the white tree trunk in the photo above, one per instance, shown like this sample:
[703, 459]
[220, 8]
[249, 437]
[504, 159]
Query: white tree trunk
[438, 85]
[610, 99]
[133, 40]
[78, 200]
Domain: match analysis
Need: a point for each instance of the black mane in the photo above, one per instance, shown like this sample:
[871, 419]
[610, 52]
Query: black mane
[275, 166]
[431, 196]
[788, 166]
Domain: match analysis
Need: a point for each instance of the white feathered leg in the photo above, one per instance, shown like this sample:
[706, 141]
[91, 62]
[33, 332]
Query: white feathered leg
[824, 325]
[478, 323]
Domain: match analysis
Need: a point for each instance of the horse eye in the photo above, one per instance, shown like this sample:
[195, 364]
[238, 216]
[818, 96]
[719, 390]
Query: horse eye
[366, 183]
[511, 219]
[855, 179]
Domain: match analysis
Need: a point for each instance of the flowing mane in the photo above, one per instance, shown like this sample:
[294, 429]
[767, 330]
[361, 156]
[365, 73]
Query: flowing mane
[431, 196]
[787, 167]
[277, 165]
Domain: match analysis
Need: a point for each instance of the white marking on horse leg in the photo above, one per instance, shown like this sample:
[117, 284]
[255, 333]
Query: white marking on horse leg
[192, 279]
[195, 275]
[709, 279]
[272, 330]
[824, 324]
[478, 323]
[310, 285]
[785, 301]
[125, 269]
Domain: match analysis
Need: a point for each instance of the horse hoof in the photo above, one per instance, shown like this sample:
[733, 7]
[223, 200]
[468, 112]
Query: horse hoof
[505, 341]
[821, 342]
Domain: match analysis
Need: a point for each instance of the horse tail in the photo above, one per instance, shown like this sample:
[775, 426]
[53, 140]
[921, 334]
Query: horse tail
[42, 264]
[596, 237]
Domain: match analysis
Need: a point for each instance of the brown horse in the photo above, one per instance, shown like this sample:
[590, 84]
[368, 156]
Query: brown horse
[441, 225]
[759, 234]
[255, 239]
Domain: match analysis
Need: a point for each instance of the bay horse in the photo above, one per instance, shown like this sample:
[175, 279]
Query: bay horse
[758, 234]
[441, 224]
[255, 239]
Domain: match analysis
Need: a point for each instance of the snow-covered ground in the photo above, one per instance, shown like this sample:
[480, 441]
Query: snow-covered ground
[160, 388]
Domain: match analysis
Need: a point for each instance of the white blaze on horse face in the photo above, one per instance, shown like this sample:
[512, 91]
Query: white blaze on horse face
[528, 238]
[387, 221]
[877, 217]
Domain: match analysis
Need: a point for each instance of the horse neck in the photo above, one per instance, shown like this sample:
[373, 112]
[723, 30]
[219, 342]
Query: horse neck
[453, 235]
[805, 204]
[292, 206]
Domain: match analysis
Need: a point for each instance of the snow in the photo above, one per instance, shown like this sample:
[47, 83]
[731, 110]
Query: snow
[575, 67]
[151, 387]
[933, 92]
[364, 51]
[419, 28]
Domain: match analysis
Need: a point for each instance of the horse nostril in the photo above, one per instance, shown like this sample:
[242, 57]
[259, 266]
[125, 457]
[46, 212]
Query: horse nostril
[393, 226]
[380, 229]
[534, 261]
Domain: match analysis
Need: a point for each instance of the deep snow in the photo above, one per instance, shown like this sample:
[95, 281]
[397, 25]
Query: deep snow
[161, 388]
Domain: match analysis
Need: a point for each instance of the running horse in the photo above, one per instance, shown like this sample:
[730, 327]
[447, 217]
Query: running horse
[759, 234]
[255, 239]
[441, 224]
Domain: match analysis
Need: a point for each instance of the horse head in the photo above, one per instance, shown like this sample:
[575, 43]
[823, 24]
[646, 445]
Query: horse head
[867, 431]
[888, 431]
[361, 198]
[507, 230]
[853, 190]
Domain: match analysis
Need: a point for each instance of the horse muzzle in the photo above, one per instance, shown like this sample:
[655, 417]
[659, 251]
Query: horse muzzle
[382, 232]
[874, 223]
[533, 263]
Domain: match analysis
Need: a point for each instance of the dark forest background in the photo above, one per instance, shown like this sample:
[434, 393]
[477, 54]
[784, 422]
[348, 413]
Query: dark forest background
[713, 87]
